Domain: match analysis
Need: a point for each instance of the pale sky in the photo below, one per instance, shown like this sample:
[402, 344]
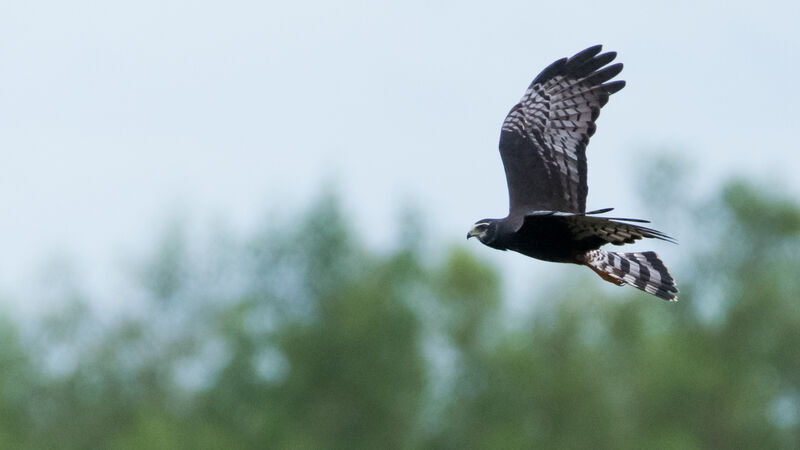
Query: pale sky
[115, 114]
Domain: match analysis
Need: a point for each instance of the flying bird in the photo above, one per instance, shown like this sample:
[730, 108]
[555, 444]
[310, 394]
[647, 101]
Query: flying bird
[543, 147]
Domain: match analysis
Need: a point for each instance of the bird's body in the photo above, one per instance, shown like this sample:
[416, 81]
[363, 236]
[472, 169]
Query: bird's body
[546, 240]
[543, 147]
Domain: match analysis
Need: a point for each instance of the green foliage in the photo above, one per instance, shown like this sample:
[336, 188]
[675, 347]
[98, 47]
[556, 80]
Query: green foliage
[299, 336]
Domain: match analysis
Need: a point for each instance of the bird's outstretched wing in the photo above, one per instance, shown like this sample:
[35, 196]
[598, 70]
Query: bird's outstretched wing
[595, 231]
[589, 232]
[544, 137]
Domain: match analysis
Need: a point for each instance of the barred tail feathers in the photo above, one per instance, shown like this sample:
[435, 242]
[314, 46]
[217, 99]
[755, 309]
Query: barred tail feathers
[644, 271]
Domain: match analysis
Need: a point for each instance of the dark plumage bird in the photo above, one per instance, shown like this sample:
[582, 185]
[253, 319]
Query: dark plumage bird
[543, 147]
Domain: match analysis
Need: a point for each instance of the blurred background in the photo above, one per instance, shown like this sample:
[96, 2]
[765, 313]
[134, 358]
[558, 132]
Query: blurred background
[241, 225]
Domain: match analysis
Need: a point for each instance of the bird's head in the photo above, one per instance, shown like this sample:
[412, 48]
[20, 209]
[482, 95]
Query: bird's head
[485, 230]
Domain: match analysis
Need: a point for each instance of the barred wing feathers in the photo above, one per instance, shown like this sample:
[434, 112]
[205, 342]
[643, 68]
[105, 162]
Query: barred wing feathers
[543, 139]
[596, 231]
[590, 232]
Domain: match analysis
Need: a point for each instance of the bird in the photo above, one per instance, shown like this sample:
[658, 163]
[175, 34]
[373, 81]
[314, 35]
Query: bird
[543, 143]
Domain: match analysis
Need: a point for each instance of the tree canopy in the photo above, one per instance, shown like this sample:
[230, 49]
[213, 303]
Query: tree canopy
[309, 338]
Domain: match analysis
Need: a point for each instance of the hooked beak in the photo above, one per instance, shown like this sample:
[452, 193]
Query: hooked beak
[471, 233]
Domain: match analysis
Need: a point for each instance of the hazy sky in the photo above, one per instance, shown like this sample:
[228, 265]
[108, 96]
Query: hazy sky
[115, 114]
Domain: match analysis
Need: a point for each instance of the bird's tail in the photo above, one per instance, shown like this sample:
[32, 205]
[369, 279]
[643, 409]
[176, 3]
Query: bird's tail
[644, 271]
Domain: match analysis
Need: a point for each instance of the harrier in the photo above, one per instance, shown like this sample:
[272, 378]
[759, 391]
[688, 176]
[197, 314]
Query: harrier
[543, 147]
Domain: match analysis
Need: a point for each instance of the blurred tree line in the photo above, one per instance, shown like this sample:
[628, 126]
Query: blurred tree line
[300, 336]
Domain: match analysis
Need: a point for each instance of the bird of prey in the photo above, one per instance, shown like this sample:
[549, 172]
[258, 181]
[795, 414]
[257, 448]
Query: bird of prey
[543, 147]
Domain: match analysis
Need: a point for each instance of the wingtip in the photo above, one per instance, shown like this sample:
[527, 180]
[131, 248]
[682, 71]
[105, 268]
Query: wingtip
[599, 211]
[554, 68]
[595, 49]
[583, 57]
[614, 86]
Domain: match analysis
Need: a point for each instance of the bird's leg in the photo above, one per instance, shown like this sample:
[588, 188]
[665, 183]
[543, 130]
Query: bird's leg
[605, 275]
